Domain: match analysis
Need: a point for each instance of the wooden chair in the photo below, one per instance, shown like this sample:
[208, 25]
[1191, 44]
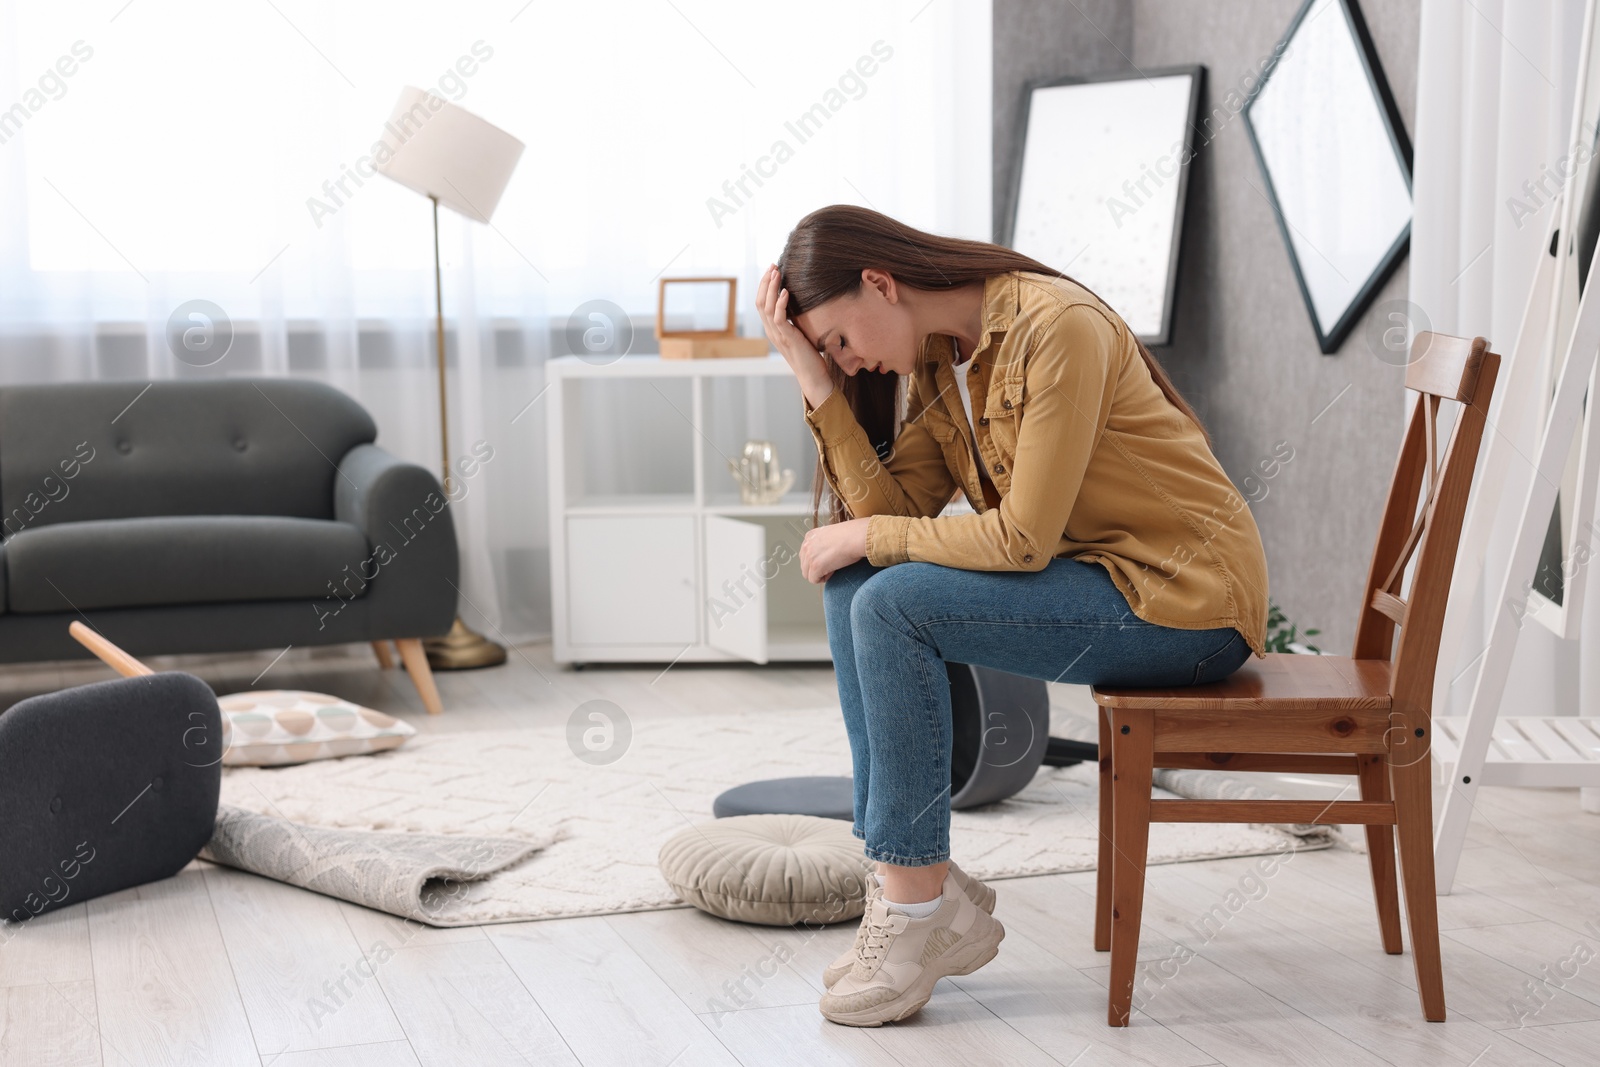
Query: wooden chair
[1366, 715]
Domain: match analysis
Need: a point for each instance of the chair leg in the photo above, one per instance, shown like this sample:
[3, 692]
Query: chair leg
[416, 662]
[1132, 757]
[1102, 881]
[1380, 853]
[381, 649]
[1413, 806]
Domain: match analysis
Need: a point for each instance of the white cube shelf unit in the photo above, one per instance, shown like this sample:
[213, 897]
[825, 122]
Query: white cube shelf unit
[653, 556]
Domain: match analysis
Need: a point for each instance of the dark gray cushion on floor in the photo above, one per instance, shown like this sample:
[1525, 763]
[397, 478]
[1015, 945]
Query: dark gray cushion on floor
[186, 559]
[103, 787]
[825, 798]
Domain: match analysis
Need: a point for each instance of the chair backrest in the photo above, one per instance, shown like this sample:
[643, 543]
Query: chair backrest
[74, 451]
[1441, 368]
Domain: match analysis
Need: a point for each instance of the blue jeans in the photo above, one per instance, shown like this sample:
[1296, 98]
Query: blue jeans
[892, 629]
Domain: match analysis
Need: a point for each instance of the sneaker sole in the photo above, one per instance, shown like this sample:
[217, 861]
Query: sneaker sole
[910, 1002]
[984, 900]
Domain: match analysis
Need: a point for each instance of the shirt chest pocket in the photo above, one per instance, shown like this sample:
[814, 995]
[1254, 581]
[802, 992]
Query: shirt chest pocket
[1002, 417]
[938, 424]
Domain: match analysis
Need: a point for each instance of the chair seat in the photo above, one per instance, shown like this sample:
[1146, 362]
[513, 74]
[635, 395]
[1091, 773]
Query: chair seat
[1282, 681]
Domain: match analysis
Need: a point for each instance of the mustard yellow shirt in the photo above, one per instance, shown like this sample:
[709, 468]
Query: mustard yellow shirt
[1088, 457]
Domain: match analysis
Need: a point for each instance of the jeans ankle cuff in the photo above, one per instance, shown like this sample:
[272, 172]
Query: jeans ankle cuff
[896, 860]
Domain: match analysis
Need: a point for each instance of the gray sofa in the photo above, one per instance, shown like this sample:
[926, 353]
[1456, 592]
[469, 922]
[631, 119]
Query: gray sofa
[216, 515]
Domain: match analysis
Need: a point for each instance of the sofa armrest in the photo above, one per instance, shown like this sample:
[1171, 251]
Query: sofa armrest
[414, 565]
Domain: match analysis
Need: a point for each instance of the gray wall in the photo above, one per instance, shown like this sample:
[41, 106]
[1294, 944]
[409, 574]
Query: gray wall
[1244, 353]
[1036, 40]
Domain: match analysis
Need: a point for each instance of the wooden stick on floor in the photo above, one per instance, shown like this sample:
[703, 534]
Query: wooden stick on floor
[113, 656]
[415, 659]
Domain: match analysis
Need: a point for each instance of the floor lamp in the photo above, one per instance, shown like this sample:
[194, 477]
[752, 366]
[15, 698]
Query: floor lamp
[454, 158]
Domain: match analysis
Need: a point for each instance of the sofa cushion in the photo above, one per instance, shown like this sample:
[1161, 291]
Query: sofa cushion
[185, 559]
[73, 451]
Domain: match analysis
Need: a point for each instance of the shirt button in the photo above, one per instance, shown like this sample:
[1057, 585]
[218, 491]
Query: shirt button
[1005, 404]
[1000, 468]
[983, 420]
[1027, 559]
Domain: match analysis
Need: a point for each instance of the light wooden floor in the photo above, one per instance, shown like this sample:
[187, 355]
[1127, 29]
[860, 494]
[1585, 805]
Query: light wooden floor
[216, 967]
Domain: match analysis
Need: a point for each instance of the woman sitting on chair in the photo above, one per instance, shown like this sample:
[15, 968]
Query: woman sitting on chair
[1106, 543]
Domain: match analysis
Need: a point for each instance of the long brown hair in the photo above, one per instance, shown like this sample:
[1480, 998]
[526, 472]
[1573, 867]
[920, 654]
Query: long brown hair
[823, 259]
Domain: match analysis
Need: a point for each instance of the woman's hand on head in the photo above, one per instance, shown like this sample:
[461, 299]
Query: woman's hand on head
[809, 366]
[825, 549]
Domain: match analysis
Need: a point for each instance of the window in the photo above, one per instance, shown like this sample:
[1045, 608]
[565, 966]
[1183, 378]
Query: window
[165, 143]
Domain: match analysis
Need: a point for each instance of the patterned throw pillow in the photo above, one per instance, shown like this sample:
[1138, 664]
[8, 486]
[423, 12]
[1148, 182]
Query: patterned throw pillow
[276, 727]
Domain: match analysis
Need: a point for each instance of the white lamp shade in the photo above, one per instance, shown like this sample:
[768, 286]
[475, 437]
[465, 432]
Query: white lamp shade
[445, 151]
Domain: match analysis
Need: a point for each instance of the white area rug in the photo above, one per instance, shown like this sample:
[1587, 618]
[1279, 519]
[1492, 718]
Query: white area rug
[602, 826]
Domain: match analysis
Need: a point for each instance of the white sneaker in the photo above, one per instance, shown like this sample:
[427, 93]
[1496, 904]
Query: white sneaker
[900, 958]
[976, 891]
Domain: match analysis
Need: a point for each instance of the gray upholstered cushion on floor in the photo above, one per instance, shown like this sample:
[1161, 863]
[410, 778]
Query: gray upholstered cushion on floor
[105, 786]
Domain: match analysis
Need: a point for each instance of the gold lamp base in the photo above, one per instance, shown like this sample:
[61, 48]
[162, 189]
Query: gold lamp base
[462, 649]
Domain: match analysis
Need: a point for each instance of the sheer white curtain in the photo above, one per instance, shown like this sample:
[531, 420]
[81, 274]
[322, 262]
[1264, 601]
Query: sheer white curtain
[1495, 87]
[160, 151]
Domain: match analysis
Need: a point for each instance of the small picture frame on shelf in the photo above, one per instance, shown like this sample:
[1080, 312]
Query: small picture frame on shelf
[722, 342]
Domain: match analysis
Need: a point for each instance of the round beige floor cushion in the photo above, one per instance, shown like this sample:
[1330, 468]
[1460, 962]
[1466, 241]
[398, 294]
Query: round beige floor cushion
[776, 870]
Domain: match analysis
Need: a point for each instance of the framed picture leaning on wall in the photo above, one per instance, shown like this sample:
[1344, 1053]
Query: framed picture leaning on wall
[1101, 181]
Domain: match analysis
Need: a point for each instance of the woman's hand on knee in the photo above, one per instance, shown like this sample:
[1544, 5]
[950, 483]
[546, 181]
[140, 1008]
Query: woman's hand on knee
[825, 549]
